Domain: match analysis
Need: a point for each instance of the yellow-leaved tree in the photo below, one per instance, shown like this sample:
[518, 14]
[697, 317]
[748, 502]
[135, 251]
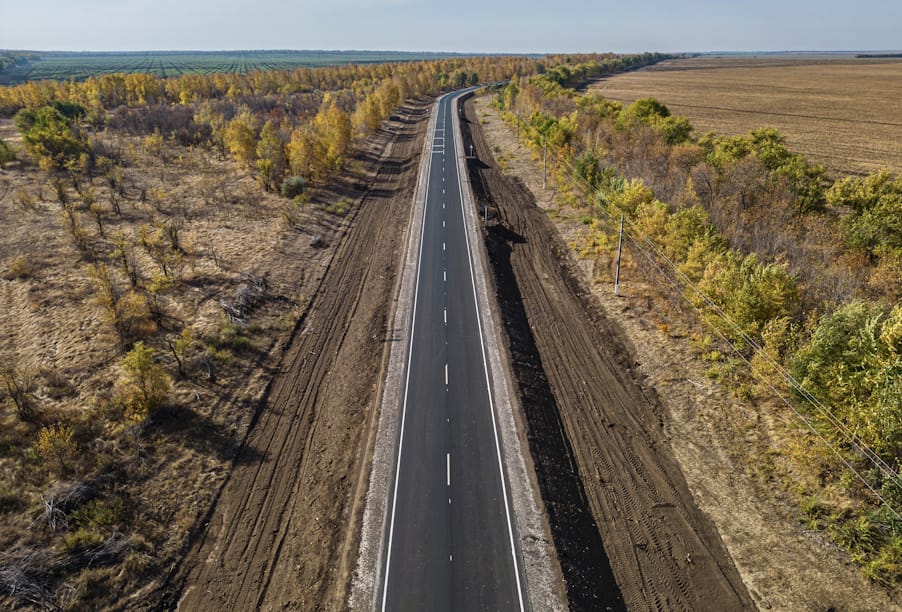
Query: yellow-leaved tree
[144, 384]
[333, 126]
[240, 137]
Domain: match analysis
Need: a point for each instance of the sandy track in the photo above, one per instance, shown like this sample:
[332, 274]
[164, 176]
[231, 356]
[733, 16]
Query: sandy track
[627, 530]
[283, 532]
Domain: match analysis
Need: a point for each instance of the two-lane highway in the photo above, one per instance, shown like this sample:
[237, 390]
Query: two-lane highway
[450, 541]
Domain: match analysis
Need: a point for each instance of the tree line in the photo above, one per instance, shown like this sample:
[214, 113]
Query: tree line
[807, 270]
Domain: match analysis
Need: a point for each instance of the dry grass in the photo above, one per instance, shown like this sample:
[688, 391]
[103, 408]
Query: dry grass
[845, 113]
[153, 478]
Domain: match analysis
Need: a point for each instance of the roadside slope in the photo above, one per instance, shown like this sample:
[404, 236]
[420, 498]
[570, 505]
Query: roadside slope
[284, 529]
[617, 501]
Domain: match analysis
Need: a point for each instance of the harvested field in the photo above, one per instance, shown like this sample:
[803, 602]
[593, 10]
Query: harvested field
[844, 113]
[627, 530]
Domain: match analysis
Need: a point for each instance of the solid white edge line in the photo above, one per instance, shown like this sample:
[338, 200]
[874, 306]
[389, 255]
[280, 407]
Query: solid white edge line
[413, 317]
[488, 382]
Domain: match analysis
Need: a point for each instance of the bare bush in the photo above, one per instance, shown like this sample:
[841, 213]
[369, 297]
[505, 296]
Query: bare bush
[61, 500]
[17, 386]
[248, 295]
[24, 577]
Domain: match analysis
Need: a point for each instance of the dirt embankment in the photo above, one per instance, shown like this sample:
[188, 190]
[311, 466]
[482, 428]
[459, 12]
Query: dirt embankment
[283, 531]
[627, 530]
[721, 442]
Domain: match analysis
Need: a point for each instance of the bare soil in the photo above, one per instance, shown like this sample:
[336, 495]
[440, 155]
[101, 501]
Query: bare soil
[627, 529]
[283, 531]
[723, 445]
[842, 112]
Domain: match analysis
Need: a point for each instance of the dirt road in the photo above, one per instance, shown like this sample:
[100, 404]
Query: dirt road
[283, 532]
[627, 530]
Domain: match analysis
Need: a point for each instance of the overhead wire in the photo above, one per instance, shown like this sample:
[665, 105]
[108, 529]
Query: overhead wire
[679, 281]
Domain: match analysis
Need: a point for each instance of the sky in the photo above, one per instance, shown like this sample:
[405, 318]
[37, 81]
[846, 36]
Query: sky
[507, 26]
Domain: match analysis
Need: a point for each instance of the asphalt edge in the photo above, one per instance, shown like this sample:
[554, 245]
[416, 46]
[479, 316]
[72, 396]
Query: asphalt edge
[534, 549]
[364, 594]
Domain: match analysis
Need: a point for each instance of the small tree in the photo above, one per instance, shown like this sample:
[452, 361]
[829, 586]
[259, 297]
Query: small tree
[124, 253]
[271, 161]
[144, 385]
[180, 347]
[55, 442]
[154, 144]
[127, 311]
[17, 385]
[51, 136]
[240, 137]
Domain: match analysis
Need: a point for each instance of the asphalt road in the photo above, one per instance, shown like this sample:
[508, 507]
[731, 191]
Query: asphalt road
[450, 541]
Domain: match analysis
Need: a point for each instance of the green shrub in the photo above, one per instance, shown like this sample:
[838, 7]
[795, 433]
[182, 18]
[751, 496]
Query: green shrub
[81, 539]
[99, 513]
[20, 268]
[6, 154]
[293, 186]
[340, 207]
[875, 226]
[853, 362]
[230, 339]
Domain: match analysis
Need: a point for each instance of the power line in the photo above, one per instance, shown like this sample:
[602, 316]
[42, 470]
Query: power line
[680, 281]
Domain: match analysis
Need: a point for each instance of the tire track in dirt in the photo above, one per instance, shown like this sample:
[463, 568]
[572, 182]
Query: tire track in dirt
[627, 530]
[281, 532]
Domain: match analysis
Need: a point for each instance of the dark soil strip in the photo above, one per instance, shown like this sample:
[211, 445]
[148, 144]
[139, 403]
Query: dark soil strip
[584, 563]
[587, 571]
[626, 528]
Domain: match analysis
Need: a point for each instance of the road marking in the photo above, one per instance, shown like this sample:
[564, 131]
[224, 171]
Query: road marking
[446, 316]
[413, 324]
[443, 246]
[445, 276]
[448, 456]
[446, 374]
[510, 528]
[443, 224]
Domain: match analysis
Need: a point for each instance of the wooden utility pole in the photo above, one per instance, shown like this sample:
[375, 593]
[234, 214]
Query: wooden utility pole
[619, 253]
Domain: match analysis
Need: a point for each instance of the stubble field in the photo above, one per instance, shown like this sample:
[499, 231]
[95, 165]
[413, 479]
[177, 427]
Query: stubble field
[843, 112]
